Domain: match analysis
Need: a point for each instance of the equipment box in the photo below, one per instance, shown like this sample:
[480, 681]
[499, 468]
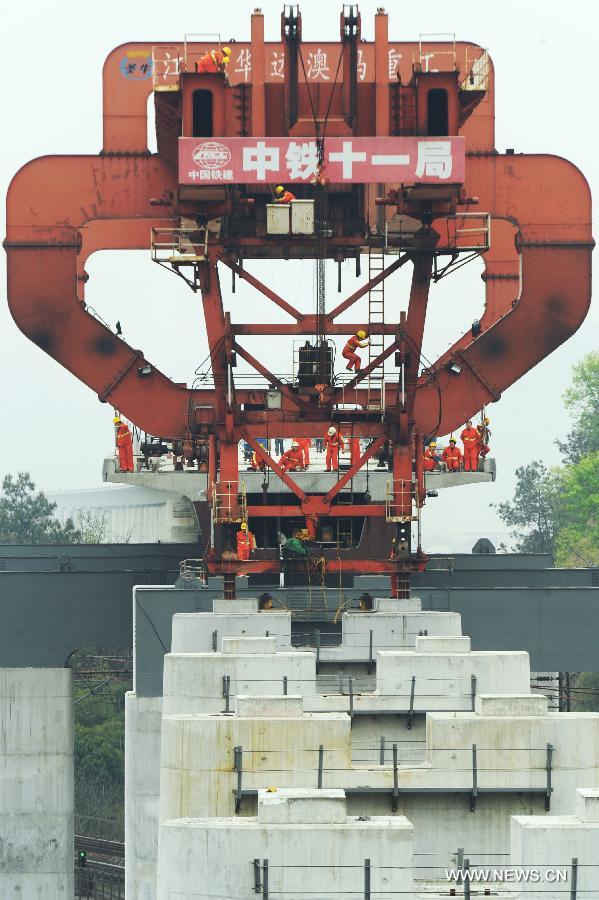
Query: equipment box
[302, 216]
[278, 218]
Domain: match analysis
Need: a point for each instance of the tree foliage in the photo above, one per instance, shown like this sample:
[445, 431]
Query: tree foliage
[577, 542]
[533, 513]
[582, 402]
[27, 517]
[557, 510]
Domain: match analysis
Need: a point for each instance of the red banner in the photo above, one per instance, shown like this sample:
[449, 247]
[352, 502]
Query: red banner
[390, 160]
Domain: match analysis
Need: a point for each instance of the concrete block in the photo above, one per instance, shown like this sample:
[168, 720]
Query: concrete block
[142, 790]
[197, 632]
[36, 783]
[587, 804]
[193, 682]
[393, 605]
[270, 707]
[249, 645]
[511, 705]
[295, 806]
[202, 859]
[242, 605]
[453, 644]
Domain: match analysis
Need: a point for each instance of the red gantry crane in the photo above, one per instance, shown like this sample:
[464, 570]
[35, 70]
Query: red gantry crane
[389, 149]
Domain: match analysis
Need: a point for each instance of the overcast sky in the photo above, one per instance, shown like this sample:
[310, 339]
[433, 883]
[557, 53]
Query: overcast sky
[55, 427]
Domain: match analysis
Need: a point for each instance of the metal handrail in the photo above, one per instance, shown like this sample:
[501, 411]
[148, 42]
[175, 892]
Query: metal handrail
[478, 73]
[435, 39]
[182, 246]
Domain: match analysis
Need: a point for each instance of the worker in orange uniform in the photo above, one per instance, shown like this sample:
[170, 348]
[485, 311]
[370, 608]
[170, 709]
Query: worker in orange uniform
[452, 456]
[332, 442]
[282, 195]
[292, 459]
[124, 445]
[360, 339]
[214, 61]
[304, 444]
[470, 439]
[246, 542]
[354, 450]
[257, 463]
[431, 457]
[483, 437]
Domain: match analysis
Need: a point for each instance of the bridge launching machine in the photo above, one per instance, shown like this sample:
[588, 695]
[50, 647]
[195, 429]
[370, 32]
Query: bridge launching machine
[389, 149]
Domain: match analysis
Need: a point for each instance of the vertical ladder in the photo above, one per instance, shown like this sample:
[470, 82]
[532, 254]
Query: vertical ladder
[376, 316]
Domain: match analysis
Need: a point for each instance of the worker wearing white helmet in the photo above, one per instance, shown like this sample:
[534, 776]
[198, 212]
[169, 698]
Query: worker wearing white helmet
[292, 459]
[332, 442]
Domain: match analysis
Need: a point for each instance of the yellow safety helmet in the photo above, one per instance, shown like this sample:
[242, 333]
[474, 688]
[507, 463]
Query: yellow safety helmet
[487, 421]
[244, 526]
[226, 51]
[433, 444]
[362, 334]
[452, 440]
[280, 189]
[116, 420]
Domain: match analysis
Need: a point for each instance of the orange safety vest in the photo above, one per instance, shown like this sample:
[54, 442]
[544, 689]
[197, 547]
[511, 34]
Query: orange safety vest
[451, 453]
[353, 343]
[469, 436]
[210, 62]
[123, 435]
[334, 440]
[287, 197]
[245, 544]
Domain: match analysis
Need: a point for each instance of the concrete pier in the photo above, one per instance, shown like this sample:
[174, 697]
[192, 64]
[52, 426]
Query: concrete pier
[36, 784]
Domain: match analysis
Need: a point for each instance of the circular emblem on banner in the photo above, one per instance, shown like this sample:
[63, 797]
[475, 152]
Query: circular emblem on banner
[211, 155]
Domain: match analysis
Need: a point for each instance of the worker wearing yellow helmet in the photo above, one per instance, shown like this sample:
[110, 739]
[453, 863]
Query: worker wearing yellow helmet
[431, 457]
[484, 437]
[359, 339]
[246, 542]
[214, 61]
[282, 195]
[124, 444]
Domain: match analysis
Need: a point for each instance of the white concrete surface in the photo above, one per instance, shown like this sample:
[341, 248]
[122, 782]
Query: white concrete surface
[547, 843]
[511, 705]
[442, 645]
[192, 632]
[391, 630]
[587, 804]
[306, 858]
[143, 717]
[36, 784]
[271, 707]
[193, 682]
[249, 645]
[292, 806]
[197, 777]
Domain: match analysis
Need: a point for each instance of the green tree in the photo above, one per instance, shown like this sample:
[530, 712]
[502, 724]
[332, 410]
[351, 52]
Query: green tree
[577, 541]
[582, 402]
[533, 515]
[28, 518]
